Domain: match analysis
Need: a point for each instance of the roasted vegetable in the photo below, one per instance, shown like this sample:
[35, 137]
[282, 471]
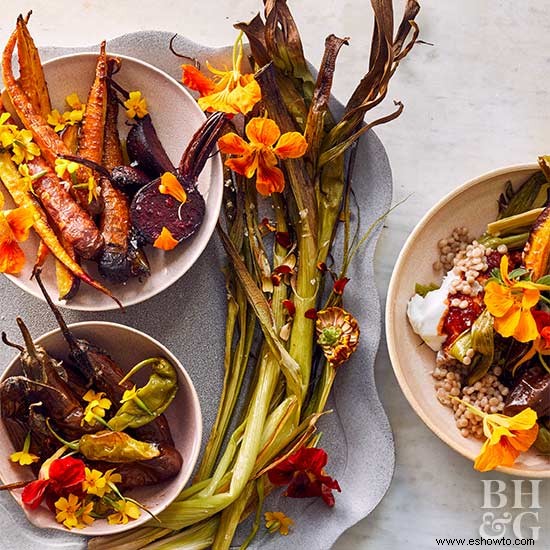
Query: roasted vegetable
[129, 179]
[98, 368]
[115, 262]
[116, 447]
[74, 224]
[17, 188]
[145, 472]
[531, 390]
[513, 202]
[151, 400]
[90, 141]
[67, 283]
[536, 254]
[151, 210]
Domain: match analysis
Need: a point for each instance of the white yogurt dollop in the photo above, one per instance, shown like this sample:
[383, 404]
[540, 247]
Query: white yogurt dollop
[426, 313]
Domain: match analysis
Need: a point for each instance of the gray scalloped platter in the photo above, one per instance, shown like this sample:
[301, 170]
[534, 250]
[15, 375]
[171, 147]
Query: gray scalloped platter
[189, 319]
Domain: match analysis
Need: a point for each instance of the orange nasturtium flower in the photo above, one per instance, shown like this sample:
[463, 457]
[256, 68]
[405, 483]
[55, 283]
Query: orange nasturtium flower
[228, 91]
[165, 241]
[510, 302]
[14, 228]
[169, 185]
[507, 437]
[259, 156]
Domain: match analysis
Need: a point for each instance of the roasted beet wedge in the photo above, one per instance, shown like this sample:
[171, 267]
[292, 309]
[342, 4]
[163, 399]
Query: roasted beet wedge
[151, 210]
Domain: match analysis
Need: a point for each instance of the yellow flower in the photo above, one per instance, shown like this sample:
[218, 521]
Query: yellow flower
[259, 156]
[111, 478]
[68, 509]
[228, 91]
[24, 458]
[95, 483]
[7, 131]
[84, 516]
[57, 120]
[136, 106]
[507, 437]
[97, 405]
[64, 165]
[510, 302]
[23, 147]
[125, 510]
[93, 189]
[277, 521]
[73, 101]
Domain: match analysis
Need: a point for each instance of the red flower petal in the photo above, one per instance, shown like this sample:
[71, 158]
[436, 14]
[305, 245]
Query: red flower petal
[290, 307]
[311, 314]
[33, 493]
[66, 473]
[340, 284]
[283, 238]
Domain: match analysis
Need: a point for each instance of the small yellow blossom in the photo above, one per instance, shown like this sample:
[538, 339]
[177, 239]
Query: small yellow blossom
[68, 508]
[73, 101]
[125, 511]
[95, 483]
[64, 165]
[7, 131]
[85, 519]
[136, 106]
[97, 405]
[57, 120]
[111, 478]
[277, 521]
[24, 458]
[23, 147]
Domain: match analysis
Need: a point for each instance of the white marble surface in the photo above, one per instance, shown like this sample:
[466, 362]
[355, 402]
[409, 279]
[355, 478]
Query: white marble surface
[475, 100]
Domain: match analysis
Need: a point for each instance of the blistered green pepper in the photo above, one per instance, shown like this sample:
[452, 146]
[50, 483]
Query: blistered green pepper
[110, 446]
[115, 447]
[145, 404]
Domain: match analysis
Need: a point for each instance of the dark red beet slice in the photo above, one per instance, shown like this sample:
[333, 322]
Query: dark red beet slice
[151, 211]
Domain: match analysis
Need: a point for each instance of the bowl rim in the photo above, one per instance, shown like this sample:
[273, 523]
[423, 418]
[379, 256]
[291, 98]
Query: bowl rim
[208, 227]
[190, 459]
[392, 345]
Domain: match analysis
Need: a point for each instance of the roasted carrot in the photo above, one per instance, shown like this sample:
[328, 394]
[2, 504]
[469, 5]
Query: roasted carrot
[32, 79]
[74, 224]
[50, 144]
[90, 143]
[33, 83]
[12, 181]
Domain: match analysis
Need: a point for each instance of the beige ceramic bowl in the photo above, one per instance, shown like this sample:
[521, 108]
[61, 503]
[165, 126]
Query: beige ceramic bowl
[176, 117]
[472, 205]
[127, 347]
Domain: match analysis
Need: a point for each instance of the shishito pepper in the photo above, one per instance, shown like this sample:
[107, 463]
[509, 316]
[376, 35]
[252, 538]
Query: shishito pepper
[149, 401]
[115, 447]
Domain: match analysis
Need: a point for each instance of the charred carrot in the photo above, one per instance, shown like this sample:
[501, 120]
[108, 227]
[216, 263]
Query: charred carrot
[32, 79]
[90, 143]
[12, 181]
[74, 224]
[50, 144]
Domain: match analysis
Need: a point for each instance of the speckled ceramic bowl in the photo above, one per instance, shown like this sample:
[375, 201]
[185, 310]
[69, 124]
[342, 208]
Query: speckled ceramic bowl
[127, 347]
[176, 117]
[473, 205]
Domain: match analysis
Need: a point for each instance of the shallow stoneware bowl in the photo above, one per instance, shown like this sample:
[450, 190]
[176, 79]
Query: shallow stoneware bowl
[127, 347]
[176, 117]
[473, 205]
